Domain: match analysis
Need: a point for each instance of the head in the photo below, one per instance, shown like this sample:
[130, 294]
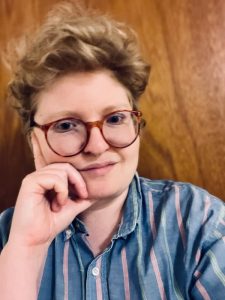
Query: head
[77, 47]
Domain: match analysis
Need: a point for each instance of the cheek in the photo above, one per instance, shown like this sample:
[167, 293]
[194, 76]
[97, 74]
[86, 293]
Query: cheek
[48, 155]
[131, 154]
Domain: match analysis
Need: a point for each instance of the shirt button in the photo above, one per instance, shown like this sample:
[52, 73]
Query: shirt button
[95, 271]
[68, 233]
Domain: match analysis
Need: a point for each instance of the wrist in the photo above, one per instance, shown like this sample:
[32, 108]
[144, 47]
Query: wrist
[21, 267]
[27, 253]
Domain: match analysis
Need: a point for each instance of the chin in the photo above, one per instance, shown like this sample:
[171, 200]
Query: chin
[98, 192]
[108, 188]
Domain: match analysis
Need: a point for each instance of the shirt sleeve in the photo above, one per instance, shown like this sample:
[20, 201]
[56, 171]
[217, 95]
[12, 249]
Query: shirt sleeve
[5, 225]
[209, 275]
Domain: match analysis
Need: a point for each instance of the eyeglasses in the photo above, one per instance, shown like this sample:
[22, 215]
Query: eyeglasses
[69, 136]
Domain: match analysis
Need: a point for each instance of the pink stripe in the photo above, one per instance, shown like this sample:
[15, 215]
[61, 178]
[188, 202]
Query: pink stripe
[206, 209]
[98, 280]
[197, 274]
[157, 274]
[65, 269]
[125, 275]
[179, 216]
[152, 253]
[202, 291]
[198, 255]
[151, 213]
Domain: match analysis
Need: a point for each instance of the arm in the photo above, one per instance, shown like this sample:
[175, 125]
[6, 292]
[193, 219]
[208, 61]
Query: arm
[20, 271]
[36, 222]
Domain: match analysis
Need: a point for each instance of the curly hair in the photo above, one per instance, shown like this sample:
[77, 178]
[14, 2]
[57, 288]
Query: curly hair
[75, 39]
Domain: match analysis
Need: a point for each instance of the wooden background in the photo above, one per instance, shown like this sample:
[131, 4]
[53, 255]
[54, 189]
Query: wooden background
[184, 40]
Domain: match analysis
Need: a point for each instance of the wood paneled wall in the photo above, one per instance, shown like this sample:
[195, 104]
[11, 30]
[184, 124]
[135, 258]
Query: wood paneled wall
[184, 104]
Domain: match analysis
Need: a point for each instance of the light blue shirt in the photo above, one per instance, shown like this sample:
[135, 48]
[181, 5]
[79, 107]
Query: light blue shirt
[170, 245]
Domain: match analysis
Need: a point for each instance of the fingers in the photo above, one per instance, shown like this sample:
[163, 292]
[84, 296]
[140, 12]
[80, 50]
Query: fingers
[39, 159]
[56, 183]
[57, 200]
[43, 208]
[73, 208]
[76, 184]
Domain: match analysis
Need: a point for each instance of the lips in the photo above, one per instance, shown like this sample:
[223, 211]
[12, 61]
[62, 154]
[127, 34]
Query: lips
[96, 166]
[98, 169]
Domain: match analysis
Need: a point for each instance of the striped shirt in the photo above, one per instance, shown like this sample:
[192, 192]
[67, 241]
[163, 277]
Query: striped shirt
[170, 245]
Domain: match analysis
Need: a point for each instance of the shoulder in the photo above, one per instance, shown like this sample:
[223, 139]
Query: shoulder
[187, 226]
[5, 225]
[180, 191]
[190, 205]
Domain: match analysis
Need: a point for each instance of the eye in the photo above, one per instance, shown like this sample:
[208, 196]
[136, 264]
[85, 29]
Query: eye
[116, 119]
[66, 126]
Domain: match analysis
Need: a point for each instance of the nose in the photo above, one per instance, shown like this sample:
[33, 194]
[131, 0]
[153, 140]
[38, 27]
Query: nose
[96, 143]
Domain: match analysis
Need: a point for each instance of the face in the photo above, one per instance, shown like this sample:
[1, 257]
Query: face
[107, 171]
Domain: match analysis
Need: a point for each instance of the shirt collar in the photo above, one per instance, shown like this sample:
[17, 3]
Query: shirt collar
[129, 219]
[131, 209]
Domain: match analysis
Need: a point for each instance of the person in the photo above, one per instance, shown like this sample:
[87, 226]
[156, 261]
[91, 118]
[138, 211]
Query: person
[85, 225]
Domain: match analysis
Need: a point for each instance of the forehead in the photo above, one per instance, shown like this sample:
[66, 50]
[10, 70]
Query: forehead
[86, 95]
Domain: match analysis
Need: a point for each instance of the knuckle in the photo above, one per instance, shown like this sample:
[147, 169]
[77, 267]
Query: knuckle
[27, 179]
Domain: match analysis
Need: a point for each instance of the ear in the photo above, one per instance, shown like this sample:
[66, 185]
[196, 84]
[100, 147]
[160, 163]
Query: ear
[39, 159]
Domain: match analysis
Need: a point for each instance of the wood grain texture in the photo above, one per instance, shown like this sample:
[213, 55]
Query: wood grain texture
[184, 104]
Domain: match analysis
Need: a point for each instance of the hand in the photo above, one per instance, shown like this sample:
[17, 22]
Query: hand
[43, 207]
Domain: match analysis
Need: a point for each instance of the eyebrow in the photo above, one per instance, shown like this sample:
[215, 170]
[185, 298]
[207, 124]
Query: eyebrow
[78, 115]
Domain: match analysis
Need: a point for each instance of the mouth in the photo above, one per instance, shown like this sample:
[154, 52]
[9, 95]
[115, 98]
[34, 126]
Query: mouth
[98, 168]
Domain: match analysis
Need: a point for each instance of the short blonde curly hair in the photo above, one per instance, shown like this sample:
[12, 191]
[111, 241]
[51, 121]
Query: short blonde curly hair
[74, 39]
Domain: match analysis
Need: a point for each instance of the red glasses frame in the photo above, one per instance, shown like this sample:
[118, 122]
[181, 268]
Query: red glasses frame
[89, 126]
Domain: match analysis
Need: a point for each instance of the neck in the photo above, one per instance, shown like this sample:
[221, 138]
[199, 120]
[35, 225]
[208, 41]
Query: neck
[102, 221]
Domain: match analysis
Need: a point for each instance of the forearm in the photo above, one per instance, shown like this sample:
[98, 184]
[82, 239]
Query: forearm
[21, 271]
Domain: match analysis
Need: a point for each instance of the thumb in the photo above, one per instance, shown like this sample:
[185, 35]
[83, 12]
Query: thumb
[68, 212]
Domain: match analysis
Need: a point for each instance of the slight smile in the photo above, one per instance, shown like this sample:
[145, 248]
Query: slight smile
[98, 168]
